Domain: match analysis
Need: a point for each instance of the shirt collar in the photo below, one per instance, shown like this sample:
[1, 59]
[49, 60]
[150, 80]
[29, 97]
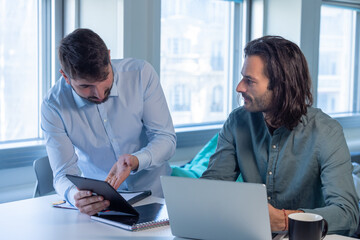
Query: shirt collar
[81, 102]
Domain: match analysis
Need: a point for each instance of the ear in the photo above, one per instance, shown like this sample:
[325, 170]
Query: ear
[64, 75]
[109, 55]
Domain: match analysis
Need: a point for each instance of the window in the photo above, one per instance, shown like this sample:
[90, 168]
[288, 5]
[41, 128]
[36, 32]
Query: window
[196, 59]
[25, 76]
[338, 75]
[180, 98]
[19, 70]
[217, 103]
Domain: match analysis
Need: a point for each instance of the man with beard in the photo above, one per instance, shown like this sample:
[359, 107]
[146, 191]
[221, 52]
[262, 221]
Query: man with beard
[278, 139]
[105, 119]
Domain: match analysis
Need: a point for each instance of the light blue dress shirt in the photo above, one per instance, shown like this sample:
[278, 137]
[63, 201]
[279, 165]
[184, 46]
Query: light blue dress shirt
[83, 138]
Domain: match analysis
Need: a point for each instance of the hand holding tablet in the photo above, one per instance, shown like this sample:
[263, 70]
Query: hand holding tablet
[117, 202]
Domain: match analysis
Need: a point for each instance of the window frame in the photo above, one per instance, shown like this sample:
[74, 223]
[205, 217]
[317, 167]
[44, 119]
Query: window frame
[50, 23]
[357, 63]
[349, 120]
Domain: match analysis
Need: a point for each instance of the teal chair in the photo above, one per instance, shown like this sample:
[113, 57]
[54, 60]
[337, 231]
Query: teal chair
[196, 167]
[199, 163]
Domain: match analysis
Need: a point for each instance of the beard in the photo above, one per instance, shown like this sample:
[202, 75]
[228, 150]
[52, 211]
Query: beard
[258, 104]
[94, 99]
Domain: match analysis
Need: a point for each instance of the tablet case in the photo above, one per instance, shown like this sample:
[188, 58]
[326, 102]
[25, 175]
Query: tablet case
[117, 202]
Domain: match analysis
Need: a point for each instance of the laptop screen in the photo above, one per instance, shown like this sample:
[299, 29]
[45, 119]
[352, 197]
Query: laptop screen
[214, 209]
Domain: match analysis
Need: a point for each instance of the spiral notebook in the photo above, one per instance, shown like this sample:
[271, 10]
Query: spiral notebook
[150, 216]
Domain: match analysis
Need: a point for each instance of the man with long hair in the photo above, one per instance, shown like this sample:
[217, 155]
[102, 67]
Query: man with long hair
[278, 139]
[105, 119]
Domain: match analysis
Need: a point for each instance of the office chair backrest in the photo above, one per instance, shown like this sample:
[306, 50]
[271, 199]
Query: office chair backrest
[44, 177]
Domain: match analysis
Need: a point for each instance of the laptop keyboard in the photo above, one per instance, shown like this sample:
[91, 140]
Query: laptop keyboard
[278, 236]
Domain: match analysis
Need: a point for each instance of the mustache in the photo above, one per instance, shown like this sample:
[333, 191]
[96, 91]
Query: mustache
[95, 100]
[240, 96]
[244, 95]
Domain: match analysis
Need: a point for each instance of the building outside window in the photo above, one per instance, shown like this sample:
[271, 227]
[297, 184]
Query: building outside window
[217, 96]
[195, 54]
[180, 98]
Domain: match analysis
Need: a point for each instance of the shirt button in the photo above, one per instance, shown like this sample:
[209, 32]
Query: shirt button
[105, 120]
[274, 146]
[269, 198]
[270, 173]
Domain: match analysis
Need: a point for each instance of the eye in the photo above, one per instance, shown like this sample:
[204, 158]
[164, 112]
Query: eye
[84, 86]
[249, 81]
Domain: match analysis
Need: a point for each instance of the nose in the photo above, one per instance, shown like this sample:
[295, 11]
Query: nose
[98, 93]
[241, 86]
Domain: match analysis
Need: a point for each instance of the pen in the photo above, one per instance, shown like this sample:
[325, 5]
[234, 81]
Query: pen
[59, 202]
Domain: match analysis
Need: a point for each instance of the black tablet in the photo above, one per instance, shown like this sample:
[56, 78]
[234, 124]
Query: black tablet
[117, 202]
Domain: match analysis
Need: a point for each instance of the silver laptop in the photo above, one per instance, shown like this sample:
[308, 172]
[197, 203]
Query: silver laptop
[213, 209]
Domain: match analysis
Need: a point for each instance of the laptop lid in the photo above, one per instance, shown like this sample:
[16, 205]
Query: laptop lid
[214, 209]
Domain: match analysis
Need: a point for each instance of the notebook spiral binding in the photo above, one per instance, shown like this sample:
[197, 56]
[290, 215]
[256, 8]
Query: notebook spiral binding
[152, 224]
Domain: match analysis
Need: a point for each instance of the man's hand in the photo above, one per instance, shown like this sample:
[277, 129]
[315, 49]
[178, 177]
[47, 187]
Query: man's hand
[121, 170]
[89, 204]
[278, 220]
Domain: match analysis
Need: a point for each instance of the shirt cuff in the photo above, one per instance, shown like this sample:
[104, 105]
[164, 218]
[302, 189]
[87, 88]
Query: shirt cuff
[144, 158]
[69, 195]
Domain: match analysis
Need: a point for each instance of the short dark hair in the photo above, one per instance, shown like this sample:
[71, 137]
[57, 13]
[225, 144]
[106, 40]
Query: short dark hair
[289, 78]
[83, 54]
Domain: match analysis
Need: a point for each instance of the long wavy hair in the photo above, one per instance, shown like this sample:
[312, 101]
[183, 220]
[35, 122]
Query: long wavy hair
[83, 54]
[289, 78]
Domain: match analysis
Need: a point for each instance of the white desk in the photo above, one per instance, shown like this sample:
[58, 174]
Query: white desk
[37, 219]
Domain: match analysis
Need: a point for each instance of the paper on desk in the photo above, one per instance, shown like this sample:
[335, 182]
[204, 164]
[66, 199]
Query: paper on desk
[63, 204]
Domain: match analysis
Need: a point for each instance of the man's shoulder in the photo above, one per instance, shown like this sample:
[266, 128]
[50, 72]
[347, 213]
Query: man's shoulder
[316, 117]
[58, 93]
[316, 114]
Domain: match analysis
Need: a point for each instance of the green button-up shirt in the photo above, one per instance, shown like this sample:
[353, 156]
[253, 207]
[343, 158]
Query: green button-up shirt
[308, 168]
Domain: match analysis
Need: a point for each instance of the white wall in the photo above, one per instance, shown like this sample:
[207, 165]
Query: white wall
[106, 19]
[141, 30]
[283, 18]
